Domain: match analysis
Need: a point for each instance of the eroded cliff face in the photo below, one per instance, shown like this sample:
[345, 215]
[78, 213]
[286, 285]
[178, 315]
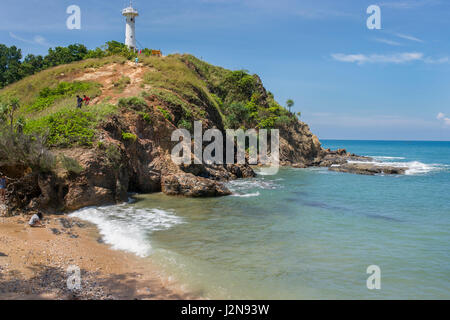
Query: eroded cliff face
[115, 167]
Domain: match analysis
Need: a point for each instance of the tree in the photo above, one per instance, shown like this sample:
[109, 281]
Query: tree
[31, 64]
[7, 111]
[9, 65]
[63, 55]
[290, 103]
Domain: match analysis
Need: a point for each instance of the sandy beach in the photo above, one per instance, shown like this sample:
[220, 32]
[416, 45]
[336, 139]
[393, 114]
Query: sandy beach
[34, 264]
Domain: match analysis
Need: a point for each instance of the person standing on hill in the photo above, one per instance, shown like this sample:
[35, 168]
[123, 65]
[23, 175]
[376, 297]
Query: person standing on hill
[136, 61]
[86, 100]
[3, 188]
[79, 102]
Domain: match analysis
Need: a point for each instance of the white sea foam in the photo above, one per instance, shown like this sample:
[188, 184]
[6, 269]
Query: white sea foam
[247, 184]
[127, 228]
[248, 195]
[412, 167]
[381, 158]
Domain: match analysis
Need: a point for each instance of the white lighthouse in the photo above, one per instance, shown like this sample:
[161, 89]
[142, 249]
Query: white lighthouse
[130, 31]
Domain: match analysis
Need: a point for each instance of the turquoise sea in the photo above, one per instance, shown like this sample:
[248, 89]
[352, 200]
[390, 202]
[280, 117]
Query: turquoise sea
[303, 233]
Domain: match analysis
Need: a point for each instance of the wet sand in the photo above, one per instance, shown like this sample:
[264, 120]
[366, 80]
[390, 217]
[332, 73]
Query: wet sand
[34, 264]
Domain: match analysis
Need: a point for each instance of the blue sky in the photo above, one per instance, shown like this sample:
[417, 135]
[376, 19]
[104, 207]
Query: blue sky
[349, 82]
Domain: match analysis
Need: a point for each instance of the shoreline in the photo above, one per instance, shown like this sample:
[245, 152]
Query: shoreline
[34, 263]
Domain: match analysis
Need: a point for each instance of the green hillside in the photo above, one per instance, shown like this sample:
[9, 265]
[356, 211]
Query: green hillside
[180, 88]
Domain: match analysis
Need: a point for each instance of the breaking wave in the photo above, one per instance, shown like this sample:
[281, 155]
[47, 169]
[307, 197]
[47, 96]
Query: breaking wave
[127, 228]
[412, 167]
[248, 195]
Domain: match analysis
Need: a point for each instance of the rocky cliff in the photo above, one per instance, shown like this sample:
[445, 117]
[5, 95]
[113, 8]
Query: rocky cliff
[130, 145]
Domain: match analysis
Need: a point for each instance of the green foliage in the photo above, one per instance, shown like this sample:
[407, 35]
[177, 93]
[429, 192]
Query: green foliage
[172, 74]
[147, 117]
[64, 55]
[8, 109]
[165, 113]
[168, 96]
[134, 103]
[129, 136]
[267, 122]
[185, 124]
[48, 96]
[9, 65]
[118, 48]
[284, 121]
[13, 69]
[65, 128]
[113, 155]
[17, 148]
[237, 86]
[290, 103]
[70, 165]
[237, 115]
[122, 83]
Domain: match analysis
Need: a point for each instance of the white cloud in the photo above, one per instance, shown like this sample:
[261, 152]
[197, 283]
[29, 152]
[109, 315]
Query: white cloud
[396, 58]
[387, 41]
[442, 117]
[430, 60]
[36, 40]
[409, 4]
[378, 58]
[409, 37]
[40, 40]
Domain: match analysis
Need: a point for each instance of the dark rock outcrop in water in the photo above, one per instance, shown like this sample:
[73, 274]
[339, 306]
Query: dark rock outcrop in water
[368, 169]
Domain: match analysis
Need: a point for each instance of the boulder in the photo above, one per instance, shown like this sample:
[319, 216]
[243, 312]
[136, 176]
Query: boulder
[368, 169]
[187, 184]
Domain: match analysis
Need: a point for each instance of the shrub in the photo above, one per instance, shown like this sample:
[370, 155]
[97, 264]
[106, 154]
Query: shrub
[134, 103]
[70, 165]
[237, 114]
[185, 124]
[284, 121]
[113, 155]
[129, 136]
[122, 83]
[147, 117]
[267, 123]
[65, 128]
[48, 96]
[17, 148]
[165, 113]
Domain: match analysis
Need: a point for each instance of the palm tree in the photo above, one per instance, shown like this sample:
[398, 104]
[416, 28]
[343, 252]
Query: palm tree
[290, 103]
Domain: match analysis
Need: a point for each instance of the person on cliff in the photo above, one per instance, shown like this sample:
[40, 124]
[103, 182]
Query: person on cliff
[136, 61]
[79, 102]
[35, 220]
[86, 100]
[3, 188]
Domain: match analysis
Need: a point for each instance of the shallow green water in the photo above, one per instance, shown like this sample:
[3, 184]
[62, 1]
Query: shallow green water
[304, 233]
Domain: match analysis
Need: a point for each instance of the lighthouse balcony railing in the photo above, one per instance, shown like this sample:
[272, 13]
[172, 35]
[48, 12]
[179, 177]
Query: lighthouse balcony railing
[129, 11]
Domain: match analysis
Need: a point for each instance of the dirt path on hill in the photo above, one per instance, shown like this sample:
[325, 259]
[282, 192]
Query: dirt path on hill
[110, 74]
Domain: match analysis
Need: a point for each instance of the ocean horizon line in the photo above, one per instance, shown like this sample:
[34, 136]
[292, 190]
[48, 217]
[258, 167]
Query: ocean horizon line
[382, 140]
